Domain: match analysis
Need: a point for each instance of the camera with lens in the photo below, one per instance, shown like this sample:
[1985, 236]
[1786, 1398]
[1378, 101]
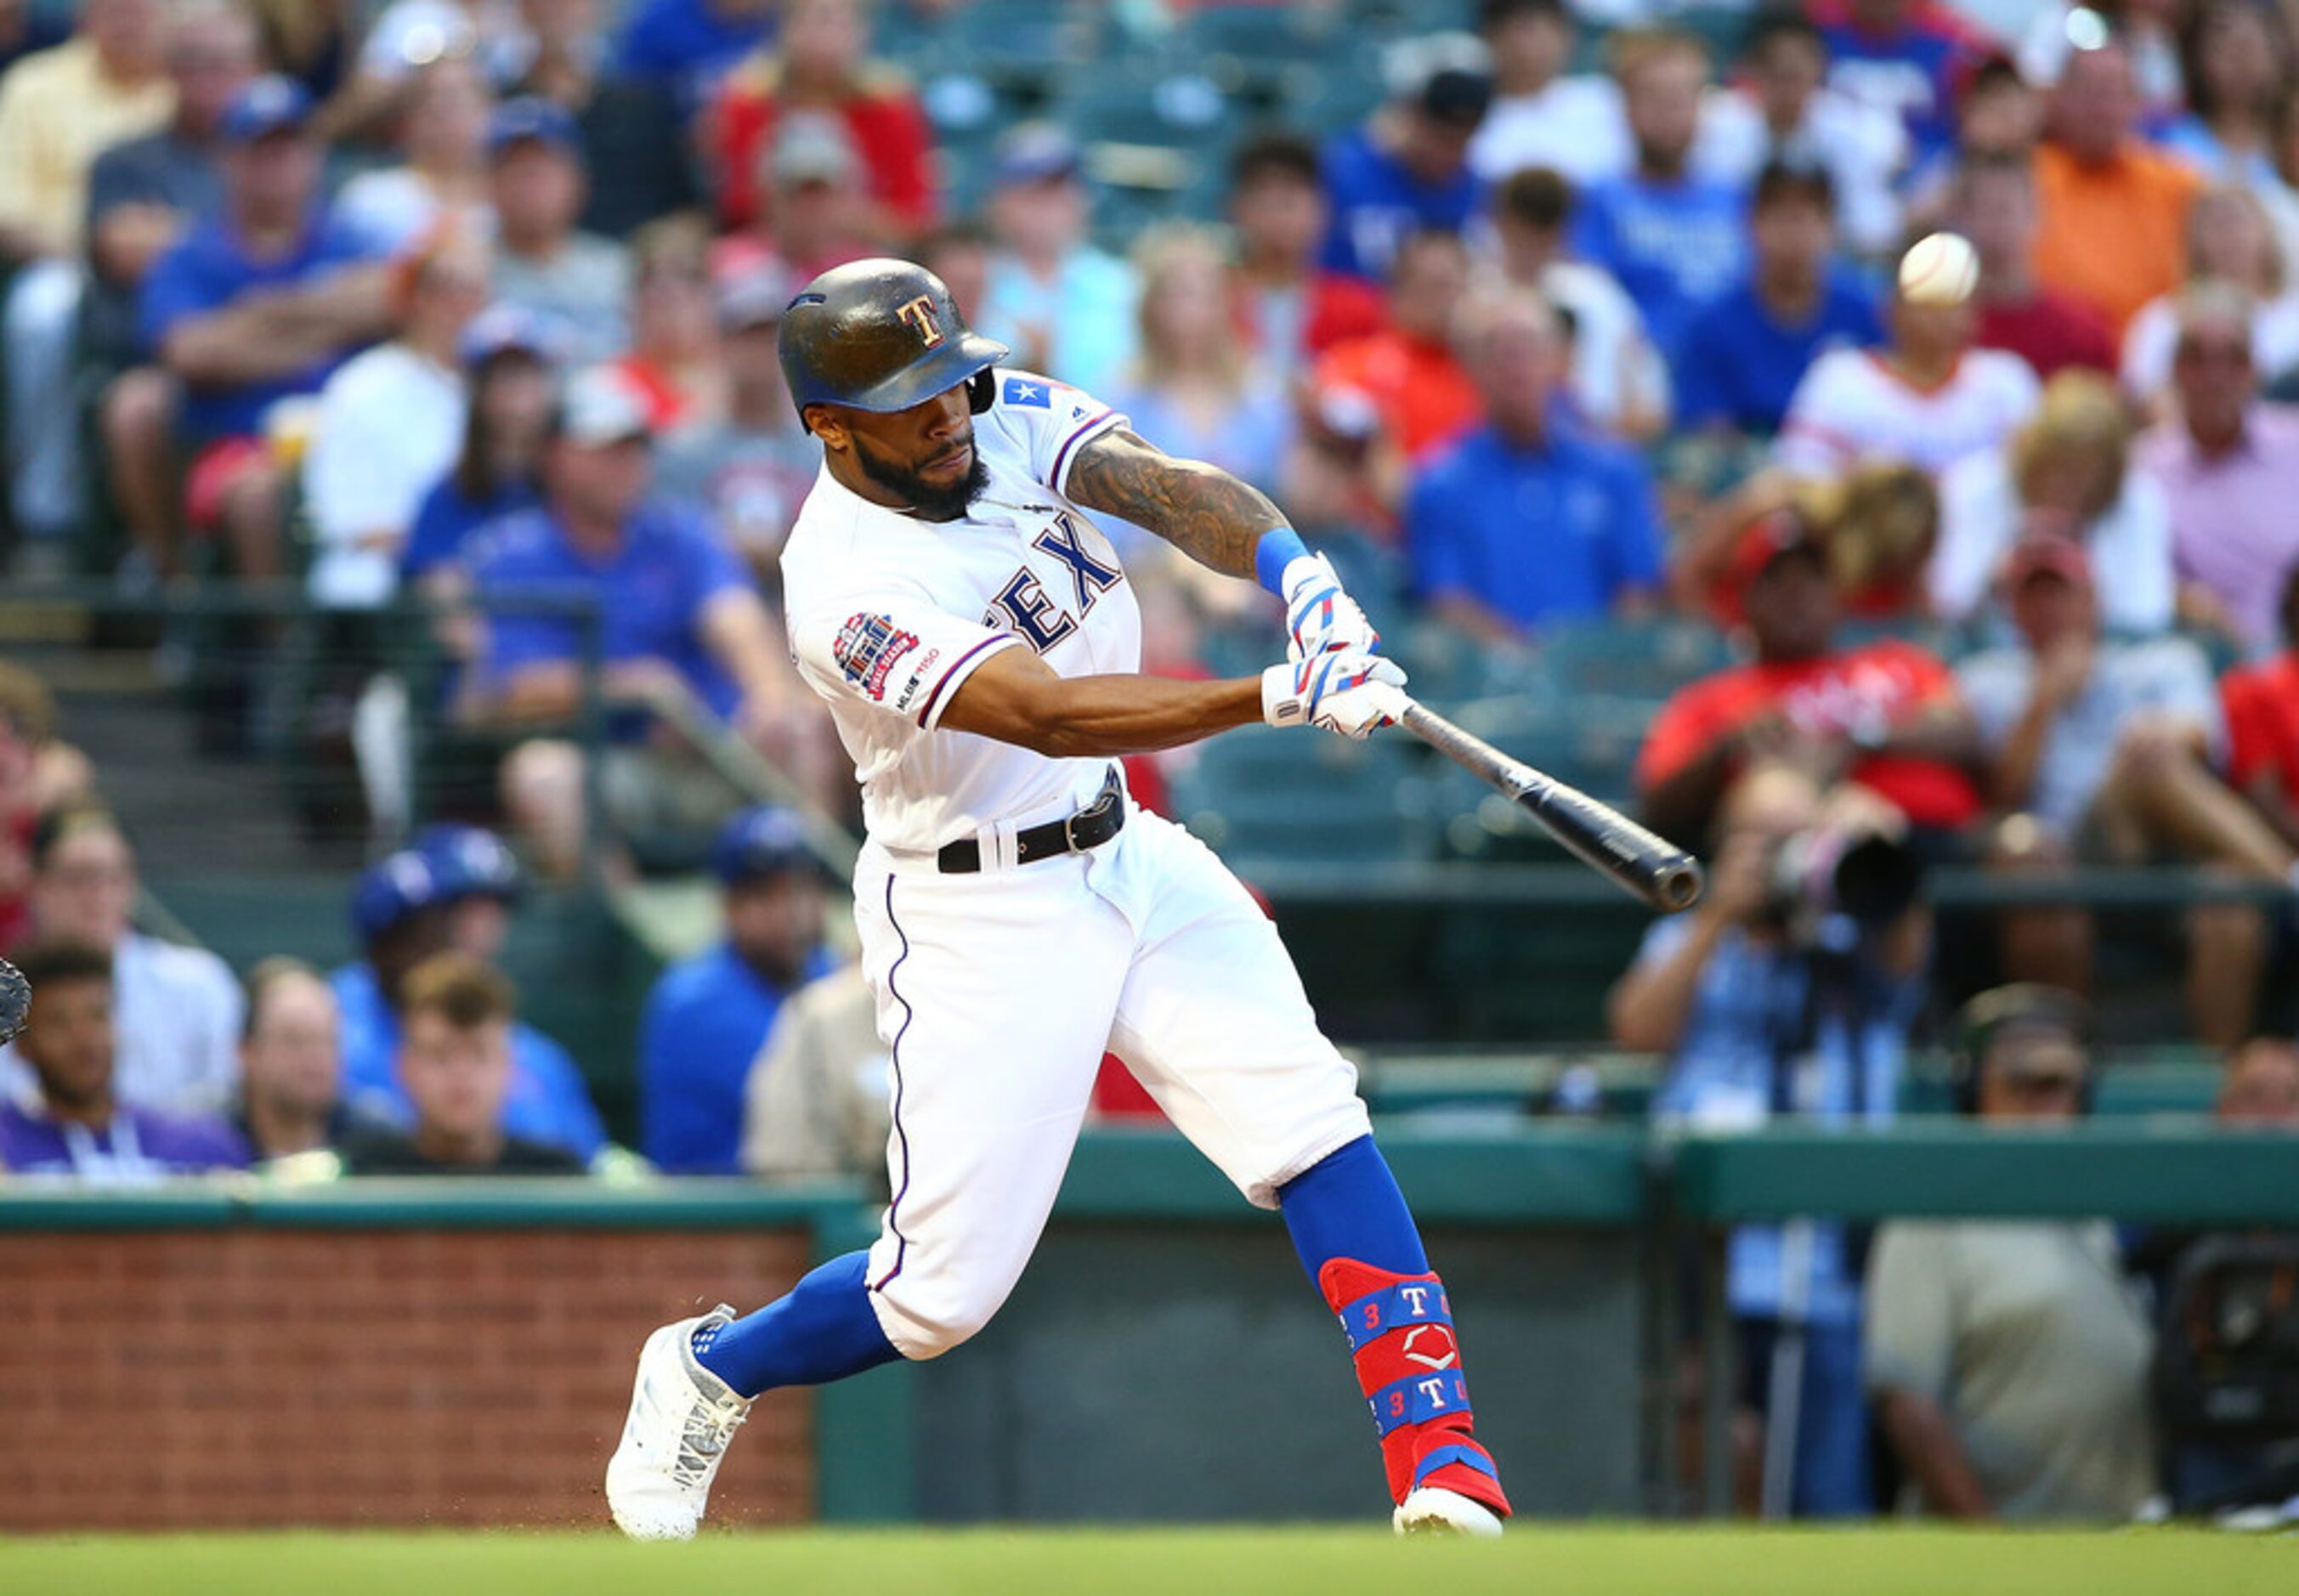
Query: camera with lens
[1835, 874]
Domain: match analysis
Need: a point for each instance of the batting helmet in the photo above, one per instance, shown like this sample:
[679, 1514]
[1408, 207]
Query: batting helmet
[881, 336]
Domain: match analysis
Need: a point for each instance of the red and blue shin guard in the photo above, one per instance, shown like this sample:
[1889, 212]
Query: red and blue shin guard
[1400, 1331]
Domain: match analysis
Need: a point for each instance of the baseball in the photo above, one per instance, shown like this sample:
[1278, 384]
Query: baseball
[1939, 270]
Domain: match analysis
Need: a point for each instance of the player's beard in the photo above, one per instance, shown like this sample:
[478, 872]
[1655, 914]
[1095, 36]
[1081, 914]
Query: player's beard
[928, 502]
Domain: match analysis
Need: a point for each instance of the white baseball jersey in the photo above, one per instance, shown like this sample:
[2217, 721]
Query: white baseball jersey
[889, 615]
[1851, 407]
[997, 991]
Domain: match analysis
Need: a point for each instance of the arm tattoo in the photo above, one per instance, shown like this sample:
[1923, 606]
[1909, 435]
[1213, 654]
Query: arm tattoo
[1200, 509]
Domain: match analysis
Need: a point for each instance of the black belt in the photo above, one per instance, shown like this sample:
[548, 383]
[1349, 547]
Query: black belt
[1090, 827]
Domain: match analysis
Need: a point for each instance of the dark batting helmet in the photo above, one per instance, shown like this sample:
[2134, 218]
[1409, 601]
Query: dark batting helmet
[881, 336]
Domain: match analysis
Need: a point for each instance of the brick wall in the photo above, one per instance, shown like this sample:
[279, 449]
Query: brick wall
[253, 1376]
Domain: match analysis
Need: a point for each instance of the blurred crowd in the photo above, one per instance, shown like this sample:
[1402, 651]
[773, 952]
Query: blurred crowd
[1594, 319]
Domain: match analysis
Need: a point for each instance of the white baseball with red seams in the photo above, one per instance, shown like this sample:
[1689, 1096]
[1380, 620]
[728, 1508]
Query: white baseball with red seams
[1939, 268]
[997, 992]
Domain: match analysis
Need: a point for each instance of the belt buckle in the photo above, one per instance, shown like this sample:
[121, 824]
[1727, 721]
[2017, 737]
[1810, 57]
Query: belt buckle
[1069, 830]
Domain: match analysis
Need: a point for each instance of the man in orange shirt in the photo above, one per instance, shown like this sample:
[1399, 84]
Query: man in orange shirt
[1423, 396]
[1887, 715]
[2114, 210]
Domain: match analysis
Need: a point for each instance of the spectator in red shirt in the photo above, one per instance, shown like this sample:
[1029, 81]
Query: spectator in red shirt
[1995, 207]
[2261, 705]
[1887, 715]
[820, 67]
[1410, 371]
[1288, 309]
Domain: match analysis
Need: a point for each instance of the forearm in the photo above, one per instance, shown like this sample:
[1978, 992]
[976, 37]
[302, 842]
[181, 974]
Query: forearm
[1931, 1452]
[1200, 509]
[1945, 733]
[2014, 776]
[539, 693]
[1650, 1005]
[1098, 716]
[1679, 805]
[239, 347]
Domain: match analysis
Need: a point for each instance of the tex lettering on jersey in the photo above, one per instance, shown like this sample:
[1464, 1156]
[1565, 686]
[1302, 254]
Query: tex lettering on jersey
[1022, 605]
[868, 648]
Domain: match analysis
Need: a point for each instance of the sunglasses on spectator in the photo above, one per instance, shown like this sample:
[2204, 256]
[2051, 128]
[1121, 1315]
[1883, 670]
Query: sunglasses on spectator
[2217, 354]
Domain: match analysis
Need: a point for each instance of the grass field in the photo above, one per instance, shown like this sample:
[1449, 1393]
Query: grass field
[1539, 1561]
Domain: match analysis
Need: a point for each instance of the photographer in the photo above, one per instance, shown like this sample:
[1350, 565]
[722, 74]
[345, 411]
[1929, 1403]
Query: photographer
[1790, 990]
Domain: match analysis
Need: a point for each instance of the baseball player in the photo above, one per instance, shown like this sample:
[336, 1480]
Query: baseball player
[948, 593]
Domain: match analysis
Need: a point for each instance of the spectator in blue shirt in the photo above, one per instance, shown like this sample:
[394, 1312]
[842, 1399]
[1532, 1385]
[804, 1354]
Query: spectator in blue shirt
[1407, 171]
[677, 616]
[1529, 519]
[260, 302]
[1757, 1024]
[1744, 354]
[708, 1016]
[686, 45]
[1674, 238]
[400, 913]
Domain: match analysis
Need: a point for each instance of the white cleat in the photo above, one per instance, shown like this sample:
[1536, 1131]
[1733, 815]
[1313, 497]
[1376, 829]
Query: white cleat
[682, 1416]
[1432, 1510]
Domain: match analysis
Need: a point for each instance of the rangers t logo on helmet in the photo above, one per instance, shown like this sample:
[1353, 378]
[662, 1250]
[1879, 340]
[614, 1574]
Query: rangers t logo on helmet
[920, 313]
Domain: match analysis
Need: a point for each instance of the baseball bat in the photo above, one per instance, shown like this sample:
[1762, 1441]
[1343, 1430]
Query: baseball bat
[1648, 867]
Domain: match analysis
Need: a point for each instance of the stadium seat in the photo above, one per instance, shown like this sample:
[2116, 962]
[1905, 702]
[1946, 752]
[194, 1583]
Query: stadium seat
[1264, 793]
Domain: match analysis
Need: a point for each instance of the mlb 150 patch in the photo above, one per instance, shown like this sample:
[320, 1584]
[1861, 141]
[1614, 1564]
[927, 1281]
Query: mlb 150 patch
[867, 649]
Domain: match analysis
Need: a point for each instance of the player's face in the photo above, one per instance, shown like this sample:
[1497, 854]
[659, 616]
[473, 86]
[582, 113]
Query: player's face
[86, 889]
[68, 1041]
[1795, 233]
[921, 459]
[456, 1076]
[2048, 607]
[2037, 1078]
[2263, 1084]
[777, 922]
[1792, 607]
[291, 1052]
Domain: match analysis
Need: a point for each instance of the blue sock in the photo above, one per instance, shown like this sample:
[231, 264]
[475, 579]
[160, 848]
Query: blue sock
[824, 1330]
[1347, 1205]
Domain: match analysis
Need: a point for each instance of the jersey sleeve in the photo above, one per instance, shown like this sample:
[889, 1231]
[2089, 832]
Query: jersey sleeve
[893, 652]
[1051, 420]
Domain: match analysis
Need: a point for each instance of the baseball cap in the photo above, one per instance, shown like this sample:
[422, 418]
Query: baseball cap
[392, 890]
[531, 119]
[755, 298]
[2043, 554]
[1034, 153]
[811, 149]
[271, 104]
[503, 329]
[600, 406]
[2035, 1013]
[470, 861]
[760, 842]
[1447, 76]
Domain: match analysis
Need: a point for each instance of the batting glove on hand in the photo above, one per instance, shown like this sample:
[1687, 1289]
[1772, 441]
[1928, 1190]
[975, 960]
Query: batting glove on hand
[1319, 617]
[1347, 690]
[15, 1000]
